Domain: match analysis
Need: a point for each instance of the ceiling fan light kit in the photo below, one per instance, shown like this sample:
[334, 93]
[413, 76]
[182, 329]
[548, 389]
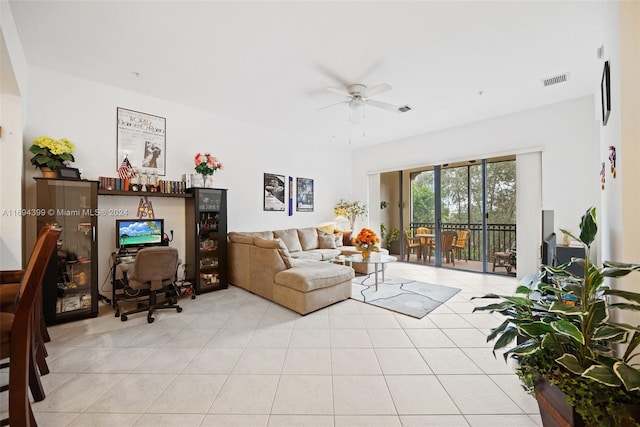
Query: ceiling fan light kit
[359, 95]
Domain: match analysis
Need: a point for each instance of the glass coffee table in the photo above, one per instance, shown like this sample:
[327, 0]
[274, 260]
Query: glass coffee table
[375, 259]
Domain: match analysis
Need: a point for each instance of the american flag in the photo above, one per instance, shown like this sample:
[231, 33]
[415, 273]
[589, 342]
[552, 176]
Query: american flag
[126, 170]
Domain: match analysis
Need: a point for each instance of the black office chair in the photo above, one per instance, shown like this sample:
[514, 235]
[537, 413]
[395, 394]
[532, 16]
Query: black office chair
[154, 271]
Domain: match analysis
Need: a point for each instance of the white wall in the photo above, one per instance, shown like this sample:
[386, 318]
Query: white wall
[565, 133]
[85, 112]
[10, 183]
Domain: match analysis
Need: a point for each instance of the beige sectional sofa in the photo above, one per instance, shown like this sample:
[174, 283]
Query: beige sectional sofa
[289, 267]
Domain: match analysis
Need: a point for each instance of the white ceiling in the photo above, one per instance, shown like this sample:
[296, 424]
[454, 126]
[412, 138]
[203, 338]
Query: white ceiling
[269, 63]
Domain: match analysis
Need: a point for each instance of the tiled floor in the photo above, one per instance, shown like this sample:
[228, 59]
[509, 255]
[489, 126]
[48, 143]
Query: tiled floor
[234, 359]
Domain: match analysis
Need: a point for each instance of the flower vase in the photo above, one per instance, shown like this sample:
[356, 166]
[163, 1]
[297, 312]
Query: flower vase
[207, 181]
[48, 173]
[365, 252]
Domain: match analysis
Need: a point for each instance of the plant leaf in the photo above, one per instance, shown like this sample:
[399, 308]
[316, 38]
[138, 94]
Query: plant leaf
[558, 307]
[567, 328]
[602, 374]
[534, 329]
[570, 362]
[630, 296]
[588, 227]
[629, 376]
[607, 332]
[505, 339]
[624, 306]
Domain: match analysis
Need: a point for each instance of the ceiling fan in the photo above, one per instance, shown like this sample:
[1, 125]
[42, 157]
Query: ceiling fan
[359, 96]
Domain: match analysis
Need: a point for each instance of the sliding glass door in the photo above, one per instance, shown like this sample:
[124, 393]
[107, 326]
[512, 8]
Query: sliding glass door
[469, 208]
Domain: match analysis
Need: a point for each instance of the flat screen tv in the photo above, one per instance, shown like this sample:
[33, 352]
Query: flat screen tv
[139, 233]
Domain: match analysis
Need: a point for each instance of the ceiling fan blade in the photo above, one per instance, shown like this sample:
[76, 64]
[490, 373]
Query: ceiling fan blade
[376, 90]
[332, 105]
[339, 91]
[383, 105]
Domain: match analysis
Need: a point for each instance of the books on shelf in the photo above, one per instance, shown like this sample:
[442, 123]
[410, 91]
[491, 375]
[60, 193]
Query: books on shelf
[119, 184]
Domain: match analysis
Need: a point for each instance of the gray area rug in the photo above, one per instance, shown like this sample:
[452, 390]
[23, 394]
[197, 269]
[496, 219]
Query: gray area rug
[416, 299]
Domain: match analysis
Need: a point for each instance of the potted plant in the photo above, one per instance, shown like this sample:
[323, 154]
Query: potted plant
[50, 154]
[350, 210]
[566, 342]
[389, 236]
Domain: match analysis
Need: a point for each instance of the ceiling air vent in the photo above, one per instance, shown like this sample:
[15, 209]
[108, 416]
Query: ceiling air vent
[560, 78]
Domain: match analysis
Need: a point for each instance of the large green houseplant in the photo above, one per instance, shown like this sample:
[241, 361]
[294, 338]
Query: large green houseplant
[564, 335]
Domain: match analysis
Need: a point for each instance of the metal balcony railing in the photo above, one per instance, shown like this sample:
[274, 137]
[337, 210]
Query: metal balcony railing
[501, 237]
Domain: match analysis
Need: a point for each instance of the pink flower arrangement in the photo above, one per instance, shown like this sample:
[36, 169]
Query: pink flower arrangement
[206, 164]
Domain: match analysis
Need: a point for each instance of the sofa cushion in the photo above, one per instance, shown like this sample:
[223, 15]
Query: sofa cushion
[308, 238]
[312, 254]
[325, 254]
[290, 238]
[275, 244]
[236, 237]
[326, 240]
[310, 276]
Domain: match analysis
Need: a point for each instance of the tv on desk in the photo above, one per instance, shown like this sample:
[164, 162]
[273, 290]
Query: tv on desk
[139, 233]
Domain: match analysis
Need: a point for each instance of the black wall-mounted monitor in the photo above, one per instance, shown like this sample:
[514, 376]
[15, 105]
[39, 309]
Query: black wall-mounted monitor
[139, 233]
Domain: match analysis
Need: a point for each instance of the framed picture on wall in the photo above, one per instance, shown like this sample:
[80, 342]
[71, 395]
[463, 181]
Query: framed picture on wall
[304, 195]
[273, 192]
[141, 139]
[605, 92]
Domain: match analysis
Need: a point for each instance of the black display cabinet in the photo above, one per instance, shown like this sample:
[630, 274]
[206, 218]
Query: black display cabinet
[70, 286]
[206, 239]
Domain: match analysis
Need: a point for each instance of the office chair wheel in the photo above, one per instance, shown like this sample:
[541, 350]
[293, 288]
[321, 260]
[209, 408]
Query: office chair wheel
[150, 319]
[193, 296]
[123, 318]
[179, 309]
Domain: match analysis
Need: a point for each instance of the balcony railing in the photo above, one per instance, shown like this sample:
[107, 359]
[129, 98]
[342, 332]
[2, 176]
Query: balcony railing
[501, 237]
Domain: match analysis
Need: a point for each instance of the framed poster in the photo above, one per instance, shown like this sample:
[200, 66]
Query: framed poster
[273, 192]
[142, 139]
[605, 92]
[304, 195]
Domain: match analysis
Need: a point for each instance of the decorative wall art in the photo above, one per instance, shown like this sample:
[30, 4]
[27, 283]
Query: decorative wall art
[273, 192]
[290, 196]
[304, 195]
[142, 139]
[605, 92]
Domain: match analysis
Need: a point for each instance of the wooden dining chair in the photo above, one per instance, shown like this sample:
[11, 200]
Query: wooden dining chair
[425, 242]
[461, 243]
[17, 337]
[411, 243]
[447, 243]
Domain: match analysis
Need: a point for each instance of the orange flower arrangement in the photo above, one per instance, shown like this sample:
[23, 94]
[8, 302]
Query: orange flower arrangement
[367, 241]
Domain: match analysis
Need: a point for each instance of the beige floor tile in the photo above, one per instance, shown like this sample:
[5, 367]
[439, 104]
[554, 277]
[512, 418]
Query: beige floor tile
[367, 421]
[467, 338]
[500, 421]
[304, 394]
[307, 361]
[380, 321]
[350, 338]
[512, 386]
[225, 420]
[78, 393]
[389, 338]
[399, 361]
[449, 361]
[448, 321]
[429, 338]
[188, 394]
[271, 337]
[213, 361]
[361, 395]
[310, 338]
[300, 421]
[246, 394]
[420, 394]
[477, 394]
[354, 361]
[183, 420]
[121, 360]
[98, 420]
[345, 321]
[260, 361]
[434, 421]
[134, 394]
[166, 361]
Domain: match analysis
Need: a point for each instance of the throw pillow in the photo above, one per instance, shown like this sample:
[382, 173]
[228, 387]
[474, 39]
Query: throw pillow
[275, 244]
[290, 238]
[328, 228]
[337, 236]
[308, 238]
[346, 238]
[326, 240]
